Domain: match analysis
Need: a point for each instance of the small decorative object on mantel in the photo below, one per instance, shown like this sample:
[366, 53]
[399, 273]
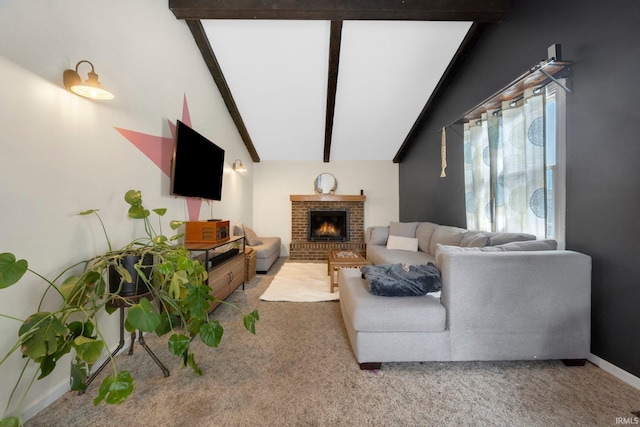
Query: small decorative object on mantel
[325, 183]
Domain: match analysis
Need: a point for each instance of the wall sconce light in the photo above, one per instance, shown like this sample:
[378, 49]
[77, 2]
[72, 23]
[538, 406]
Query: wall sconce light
[238, 166]
[89, 89]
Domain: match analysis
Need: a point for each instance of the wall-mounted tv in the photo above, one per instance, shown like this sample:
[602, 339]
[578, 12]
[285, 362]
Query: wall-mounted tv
[196, 170]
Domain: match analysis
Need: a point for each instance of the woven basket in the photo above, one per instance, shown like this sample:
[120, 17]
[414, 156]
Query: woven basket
[249, 264]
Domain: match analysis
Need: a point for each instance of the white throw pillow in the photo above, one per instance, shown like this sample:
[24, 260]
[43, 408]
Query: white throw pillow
[402, 243]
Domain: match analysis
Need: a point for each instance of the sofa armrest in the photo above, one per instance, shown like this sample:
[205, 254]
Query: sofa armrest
[546, 293]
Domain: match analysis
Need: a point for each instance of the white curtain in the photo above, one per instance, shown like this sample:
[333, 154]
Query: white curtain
[505, 168]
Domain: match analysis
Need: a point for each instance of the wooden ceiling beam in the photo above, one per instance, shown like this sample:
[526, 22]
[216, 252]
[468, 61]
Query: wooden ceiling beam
[332, 84]
[210, 59]
[339, 10]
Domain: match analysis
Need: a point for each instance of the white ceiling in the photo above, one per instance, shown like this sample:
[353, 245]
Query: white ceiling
[277, 72]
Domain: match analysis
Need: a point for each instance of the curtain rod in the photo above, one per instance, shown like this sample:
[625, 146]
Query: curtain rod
[538, 67]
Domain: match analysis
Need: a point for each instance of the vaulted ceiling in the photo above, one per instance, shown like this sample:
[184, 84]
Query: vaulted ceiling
[331, 80]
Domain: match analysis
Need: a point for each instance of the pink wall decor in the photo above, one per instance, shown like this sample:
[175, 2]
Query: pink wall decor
[159, 150]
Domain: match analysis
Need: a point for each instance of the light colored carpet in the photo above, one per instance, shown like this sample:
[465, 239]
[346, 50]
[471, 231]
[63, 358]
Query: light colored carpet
[299, 370]
[301, 282]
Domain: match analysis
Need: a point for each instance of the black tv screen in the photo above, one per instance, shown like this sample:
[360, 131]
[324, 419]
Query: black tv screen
[197, 165]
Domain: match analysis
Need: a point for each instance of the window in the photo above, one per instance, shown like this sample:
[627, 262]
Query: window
[514, 165]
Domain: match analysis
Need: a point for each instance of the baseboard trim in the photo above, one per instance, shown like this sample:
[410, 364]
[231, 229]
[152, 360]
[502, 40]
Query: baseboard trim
[617, 372]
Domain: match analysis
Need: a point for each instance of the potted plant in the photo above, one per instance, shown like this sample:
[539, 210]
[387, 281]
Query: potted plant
[175, 299]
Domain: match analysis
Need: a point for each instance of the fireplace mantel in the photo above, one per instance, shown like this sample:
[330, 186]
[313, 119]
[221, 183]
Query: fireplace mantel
[326, 198]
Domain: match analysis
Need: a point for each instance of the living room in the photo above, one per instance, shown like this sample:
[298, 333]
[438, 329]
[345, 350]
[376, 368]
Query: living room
[64, 154]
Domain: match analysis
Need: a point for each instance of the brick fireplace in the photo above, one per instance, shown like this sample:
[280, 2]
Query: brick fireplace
[303, 247]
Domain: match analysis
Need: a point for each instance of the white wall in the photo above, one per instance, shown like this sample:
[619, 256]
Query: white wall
[275, 181]
[60, 153]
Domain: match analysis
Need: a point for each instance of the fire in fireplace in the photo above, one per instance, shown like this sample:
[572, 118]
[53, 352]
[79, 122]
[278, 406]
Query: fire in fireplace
[328, 225]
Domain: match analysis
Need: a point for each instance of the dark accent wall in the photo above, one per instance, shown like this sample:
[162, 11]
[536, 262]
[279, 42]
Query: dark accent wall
[603, 146]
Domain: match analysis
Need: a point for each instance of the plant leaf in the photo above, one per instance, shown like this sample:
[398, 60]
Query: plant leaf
[179, 344]
[191, 361]
[160, 240]
[39, 335]
[250, 321]
[115, 389]
[9, 422]
[11, 271]
[167, 323]
[174, 287]
[88, 349]
[143, 316]
[197, 300]
[89, 212]
[133, 197]
[164, 268]
[211, 333]
[138, 212]
[175, 224]
[75, 290]
[160, 211]
[47, 366]
[79, 373]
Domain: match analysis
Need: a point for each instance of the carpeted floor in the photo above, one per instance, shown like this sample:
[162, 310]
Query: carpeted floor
[299, 371]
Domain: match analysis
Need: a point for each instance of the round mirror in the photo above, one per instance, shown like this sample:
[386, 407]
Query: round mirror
[325, 184]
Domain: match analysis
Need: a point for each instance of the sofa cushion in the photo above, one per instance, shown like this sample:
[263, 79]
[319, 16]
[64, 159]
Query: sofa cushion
[530, 245]
[373, 313]
[474, 239]
[502, 238]
[423, 233]
[377, 254]
[401, 280]
[402, 243]
[445, 235]
[443, 249]
[403, 229]
[268, 247]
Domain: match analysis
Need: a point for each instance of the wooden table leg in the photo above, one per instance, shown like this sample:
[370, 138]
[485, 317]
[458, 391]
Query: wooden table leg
[334, 272]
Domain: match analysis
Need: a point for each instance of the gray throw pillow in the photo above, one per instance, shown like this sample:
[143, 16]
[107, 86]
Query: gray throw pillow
[403, 229]
[379, 235]
[238, 229]
[423, 233]
[502, 238]
[474, 239]
[252, 237]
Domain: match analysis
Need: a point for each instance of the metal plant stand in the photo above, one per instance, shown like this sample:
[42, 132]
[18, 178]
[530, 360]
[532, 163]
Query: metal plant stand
[122, 303]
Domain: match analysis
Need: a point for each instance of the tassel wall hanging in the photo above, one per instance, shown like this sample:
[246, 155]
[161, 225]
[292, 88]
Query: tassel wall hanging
[443, 153]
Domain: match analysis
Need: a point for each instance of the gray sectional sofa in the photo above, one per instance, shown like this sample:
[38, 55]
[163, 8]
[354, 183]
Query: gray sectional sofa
[267, 248]
[504, 296]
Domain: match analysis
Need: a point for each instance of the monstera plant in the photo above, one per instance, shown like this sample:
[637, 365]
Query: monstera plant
[171, 298]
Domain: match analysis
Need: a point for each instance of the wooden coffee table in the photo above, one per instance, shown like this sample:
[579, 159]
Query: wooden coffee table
[342, 259]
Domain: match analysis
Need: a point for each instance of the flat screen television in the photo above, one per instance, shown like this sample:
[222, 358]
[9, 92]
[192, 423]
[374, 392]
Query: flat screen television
[197, 167]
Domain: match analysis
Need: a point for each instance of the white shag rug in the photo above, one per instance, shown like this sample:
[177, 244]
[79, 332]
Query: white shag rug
[301, 282]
